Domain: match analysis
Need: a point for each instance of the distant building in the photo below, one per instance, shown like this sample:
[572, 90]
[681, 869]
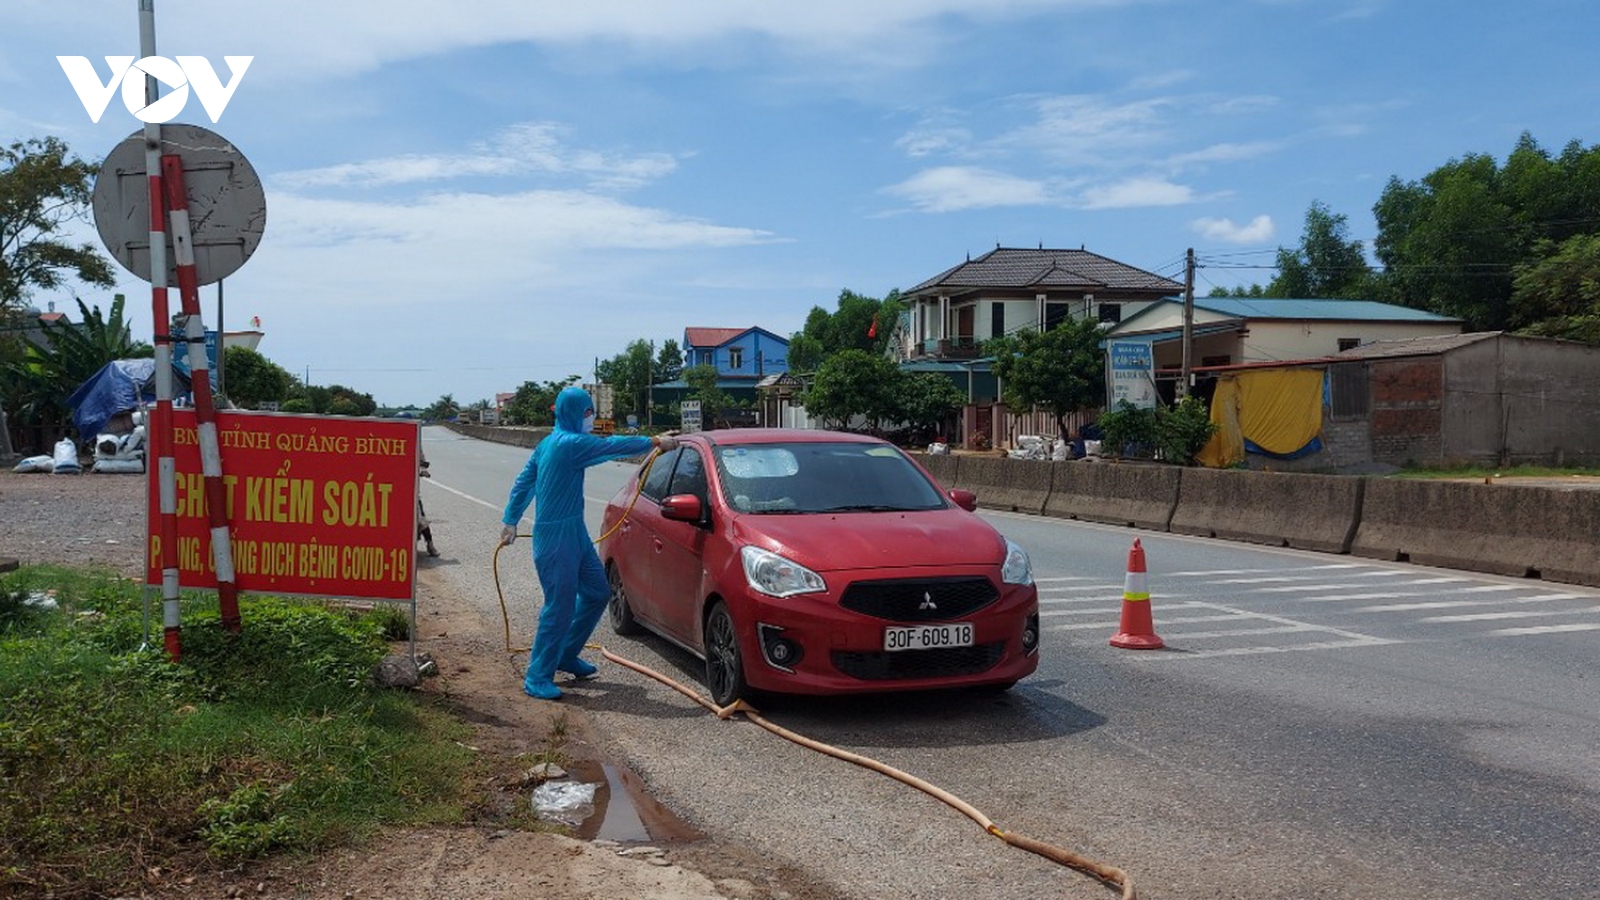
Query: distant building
[1232, 330]
[752, 353]
[743, 358]
[1007, 290]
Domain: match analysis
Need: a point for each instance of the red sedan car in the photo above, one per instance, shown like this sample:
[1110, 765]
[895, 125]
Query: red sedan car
[817, 562]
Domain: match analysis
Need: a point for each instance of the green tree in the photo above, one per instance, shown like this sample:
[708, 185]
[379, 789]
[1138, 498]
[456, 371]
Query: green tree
[923, 401]
[252, 379]
[1559, 295]
[41, 192]
[630, 375]
[714, 401]
[858, 323]
[1062, 369]
[334, 400]
[852, 382]
[669, 362]
[534, 403]
[1327, 264]
[443, 409]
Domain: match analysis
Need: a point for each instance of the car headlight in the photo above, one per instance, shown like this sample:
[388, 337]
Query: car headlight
[776, 576]
[1016, 569]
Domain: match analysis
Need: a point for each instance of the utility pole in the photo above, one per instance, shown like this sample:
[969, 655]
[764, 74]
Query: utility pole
[1188, 325]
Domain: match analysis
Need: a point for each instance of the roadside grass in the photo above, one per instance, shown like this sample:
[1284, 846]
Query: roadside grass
[119, 769]
[1495, 472]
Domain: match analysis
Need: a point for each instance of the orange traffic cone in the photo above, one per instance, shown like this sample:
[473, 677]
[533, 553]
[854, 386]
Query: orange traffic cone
[1136, 632]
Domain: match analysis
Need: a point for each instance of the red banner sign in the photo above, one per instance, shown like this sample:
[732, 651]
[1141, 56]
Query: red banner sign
[317, 505]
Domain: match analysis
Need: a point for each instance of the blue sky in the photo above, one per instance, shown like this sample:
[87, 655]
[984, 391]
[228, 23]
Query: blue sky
[465, 196]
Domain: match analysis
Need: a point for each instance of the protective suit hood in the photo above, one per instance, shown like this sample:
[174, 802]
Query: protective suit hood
[571, 404]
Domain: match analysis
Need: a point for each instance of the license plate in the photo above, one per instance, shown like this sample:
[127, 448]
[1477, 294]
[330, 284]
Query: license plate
[928, 637]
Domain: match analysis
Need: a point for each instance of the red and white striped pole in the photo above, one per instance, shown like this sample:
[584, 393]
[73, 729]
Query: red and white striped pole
[161, 422]
[200, 384]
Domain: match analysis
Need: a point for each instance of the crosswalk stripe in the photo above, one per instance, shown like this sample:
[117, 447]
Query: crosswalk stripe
[1516, 614]
[1544, 629]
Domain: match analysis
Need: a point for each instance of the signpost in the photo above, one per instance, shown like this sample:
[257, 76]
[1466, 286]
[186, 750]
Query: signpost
[1130, 374]
[319, 505]
[690, 413]
[192, 213]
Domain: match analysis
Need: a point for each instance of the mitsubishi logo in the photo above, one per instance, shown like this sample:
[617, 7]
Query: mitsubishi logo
[927, 602]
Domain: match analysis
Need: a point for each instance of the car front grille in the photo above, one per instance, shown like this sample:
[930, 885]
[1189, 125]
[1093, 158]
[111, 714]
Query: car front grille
[907, 664]
[919, 599]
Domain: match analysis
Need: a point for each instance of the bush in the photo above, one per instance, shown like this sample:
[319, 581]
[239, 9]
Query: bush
[1171, 435]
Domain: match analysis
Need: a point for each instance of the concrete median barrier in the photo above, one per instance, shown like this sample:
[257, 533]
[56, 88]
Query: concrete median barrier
[1307, 512]
[1504, 529]
[1019, 485]
[1138, 495]
[942, 466]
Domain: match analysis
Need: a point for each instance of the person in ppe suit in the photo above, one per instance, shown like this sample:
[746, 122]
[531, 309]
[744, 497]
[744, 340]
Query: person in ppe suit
[570, 573]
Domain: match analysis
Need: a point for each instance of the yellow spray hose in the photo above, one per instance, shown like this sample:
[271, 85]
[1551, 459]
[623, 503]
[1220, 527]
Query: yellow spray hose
[1108, 875]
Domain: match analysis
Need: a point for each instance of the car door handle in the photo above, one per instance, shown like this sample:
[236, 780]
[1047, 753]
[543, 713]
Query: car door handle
[659, 545]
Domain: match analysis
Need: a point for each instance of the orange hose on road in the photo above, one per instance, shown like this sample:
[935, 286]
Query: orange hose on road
[1106, 874]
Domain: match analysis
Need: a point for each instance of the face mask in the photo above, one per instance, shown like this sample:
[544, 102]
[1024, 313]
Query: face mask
[588, 423]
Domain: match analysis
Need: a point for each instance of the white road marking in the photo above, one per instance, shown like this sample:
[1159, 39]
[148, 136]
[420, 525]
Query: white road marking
[1543, 629]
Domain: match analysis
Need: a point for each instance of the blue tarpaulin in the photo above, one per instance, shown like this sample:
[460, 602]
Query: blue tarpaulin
[119, 386]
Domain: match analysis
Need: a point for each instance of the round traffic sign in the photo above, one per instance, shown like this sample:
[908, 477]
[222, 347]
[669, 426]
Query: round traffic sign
[227, 207]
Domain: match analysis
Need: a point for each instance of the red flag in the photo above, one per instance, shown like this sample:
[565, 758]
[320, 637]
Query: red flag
[872, 332]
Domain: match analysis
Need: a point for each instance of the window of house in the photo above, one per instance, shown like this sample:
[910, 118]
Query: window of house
[1111, 312]
[1348, 344]
[735, 357]
[1055, 314]
[1216, 361]
[997, 319]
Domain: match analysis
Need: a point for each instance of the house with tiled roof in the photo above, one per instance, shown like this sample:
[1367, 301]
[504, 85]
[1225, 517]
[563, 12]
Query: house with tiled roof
[736, 353]
[1012, 289]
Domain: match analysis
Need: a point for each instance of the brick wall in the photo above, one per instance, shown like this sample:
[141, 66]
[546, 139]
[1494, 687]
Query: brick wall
[1407, 410]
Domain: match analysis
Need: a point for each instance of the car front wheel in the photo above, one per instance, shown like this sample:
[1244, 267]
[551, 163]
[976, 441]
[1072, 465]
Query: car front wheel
[617, 609]
[724, 663]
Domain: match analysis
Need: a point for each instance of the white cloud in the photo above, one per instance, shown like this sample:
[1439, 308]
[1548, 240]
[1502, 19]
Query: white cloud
[1260, 230]
[527, 148]
[956, 188]
[1138, 192]
[1224, 153]
[1081, 129]
[927, 140]
[351, 37]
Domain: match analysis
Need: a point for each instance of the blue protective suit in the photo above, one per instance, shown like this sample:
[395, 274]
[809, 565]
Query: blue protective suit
[570, 573]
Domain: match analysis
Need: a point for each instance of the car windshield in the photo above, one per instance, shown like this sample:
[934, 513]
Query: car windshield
[816, 477]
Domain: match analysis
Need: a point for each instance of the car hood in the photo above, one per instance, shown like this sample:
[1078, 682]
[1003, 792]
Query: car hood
[875, 540]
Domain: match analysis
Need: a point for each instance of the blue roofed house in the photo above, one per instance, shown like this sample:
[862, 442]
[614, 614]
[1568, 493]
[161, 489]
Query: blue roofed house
[743, 358]
[1231, 331]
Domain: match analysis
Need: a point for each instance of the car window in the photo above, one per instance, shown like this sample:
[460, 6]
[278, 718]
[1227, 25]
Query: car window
[655, 483]
[690, 475]
[807, 477]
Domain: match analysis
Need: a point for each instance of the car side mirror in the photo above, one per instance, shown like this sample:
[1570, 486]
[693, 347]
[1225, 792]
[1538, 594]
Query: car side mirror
[682, 508]
[967, 500]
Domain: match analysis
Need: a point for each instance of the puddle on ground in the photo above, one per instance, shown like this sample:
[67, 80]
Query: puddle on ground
[623, 810]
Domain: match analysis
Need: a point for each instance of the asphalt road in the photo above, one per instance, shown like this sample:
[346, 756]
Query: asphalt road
[1318, 726]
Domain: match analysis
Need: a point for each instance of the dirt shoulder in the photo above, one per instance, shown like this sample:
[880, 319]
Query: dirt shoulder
[99, 520]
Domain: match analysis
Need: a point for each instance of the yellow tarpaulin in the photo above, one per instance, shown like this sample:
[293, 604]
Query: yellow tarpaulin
[1278, 410]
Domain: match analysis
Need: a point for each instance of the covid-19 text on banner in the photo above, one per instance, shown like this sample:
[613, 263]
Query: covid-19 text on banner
[317, 505]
